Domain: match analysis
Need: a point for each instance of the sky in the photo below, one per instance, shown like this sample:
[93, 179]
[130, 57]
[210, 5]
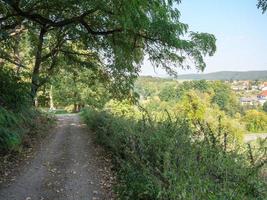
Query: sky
[239, 27]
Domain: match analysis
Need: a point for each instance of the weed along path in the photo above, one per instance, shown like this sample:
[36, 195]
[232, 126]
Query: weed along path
[67, 166]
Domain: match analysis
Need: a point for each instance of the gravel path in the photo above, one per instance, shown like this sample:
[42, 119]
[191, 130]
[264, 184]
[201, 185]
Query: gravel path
[68, 166]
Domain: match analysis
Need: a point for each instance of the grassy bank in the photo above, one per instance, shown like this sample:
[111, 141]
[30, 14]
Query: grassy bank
[18, 128]
[20, 132]
[175, 159]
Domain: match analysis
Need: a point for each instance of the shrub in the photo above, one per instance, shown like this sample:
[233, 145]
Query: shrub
[13, 92]
[172, 159]
[255, 121]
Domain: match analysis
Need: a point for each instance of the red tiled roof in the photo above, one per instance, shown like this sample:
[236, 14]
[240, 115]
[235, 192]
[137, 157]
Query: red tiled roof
[263, 93]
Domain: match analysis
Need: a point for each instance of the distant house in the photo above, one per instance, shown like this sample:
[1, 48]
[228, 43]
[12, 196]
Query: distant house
[262, 97]
[263, 87]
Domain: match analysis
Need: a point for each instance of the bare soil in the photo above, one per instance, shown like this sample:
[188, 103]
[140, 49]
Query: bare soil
[66, 166]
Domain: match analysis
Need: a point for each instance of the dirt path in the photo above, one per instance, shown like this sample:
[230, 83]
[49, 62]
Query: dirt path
[67, 166]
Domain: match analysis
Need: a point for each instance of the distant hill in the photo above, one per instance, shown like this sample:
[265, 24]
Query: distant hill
[226, 75]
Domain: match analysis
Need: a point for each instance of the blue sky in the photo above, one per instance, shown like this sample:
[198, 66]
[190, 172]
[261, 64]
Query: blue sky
[240, 29]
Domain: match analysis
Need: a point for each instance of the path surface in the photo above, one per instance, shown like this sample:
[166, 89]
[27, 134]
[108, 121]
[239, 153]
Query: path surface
[66, 167]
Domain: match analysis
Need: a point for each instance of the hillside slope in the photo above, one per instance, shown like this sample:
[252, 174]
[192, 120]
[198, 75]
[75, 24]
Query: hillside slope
[227, 75]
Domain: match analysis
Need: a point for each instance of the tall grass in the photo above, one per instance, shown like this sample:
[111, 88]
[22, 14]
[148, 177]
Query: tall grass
[172, 159]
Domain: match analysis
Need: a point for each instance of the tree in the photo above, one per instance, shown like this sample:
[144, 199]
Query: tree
[176, 92]
[225, 98]
[262, 4]
[168, 93]
[255, 121]
[114, 35]
[78, 87]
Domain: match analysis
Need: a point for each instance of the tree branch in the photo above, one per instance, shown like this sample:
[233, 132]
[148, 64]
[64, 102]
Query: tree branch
[45, 21]
[6, 57]
[105, 32]
[77, 53]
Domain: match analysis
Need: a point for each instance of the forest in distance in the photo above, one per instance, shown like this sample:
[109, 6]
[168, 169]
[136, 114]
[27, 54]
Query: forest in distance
[226, 75]
[78, 121]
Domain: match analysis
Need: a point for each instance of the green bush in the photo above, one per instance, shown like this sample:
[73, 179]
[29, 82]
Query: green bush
[256, 121]
[172, 159]
[13, 92]
[17, 117]
[8, 137]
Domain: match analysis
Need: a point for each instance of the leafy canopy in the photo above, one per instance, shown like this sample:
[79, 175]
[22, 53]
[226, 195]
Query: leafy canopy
[262, 4]
[111, 35]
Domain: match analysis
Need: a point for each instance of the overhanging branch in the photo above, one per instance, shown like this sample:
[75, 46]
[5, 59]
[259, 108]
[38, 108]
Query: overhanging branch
[105, 32]
[43, 20]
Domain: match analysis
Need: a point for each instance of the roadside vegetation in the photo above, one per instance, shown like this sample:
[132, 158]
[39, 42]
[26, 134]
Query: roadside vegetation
[20, 123]
[177, 157]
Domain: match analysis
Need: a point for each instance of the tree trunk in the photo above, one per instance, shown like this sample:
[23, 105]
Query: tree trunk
[17, 54]
[36, 70]
[36, 103]
[75, 108]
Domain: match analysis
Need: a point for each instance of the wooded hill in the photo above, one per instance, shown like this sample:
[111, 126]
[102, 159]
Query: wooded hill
[226, 75]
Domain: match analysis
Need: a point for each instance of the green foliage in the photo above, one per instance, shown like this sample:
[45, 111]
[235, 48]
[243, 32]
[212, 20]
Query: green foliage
[17, 118]
[168, 93]
[147, 86]
[255, 121]
[220, 93]
[18, 125]
[8, 138]
[39, 38]
[264, 107]
[174, 159]
[196, 107]
[123, 109]
[262, 4]
[13, 92]
[80, 87]
[225, 98]
[176, 92]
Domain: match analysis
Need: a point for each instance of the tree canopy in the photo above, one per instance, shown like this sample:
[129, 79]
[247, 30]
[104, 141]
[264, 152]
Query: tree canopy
[111, 37]
[262, 4]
